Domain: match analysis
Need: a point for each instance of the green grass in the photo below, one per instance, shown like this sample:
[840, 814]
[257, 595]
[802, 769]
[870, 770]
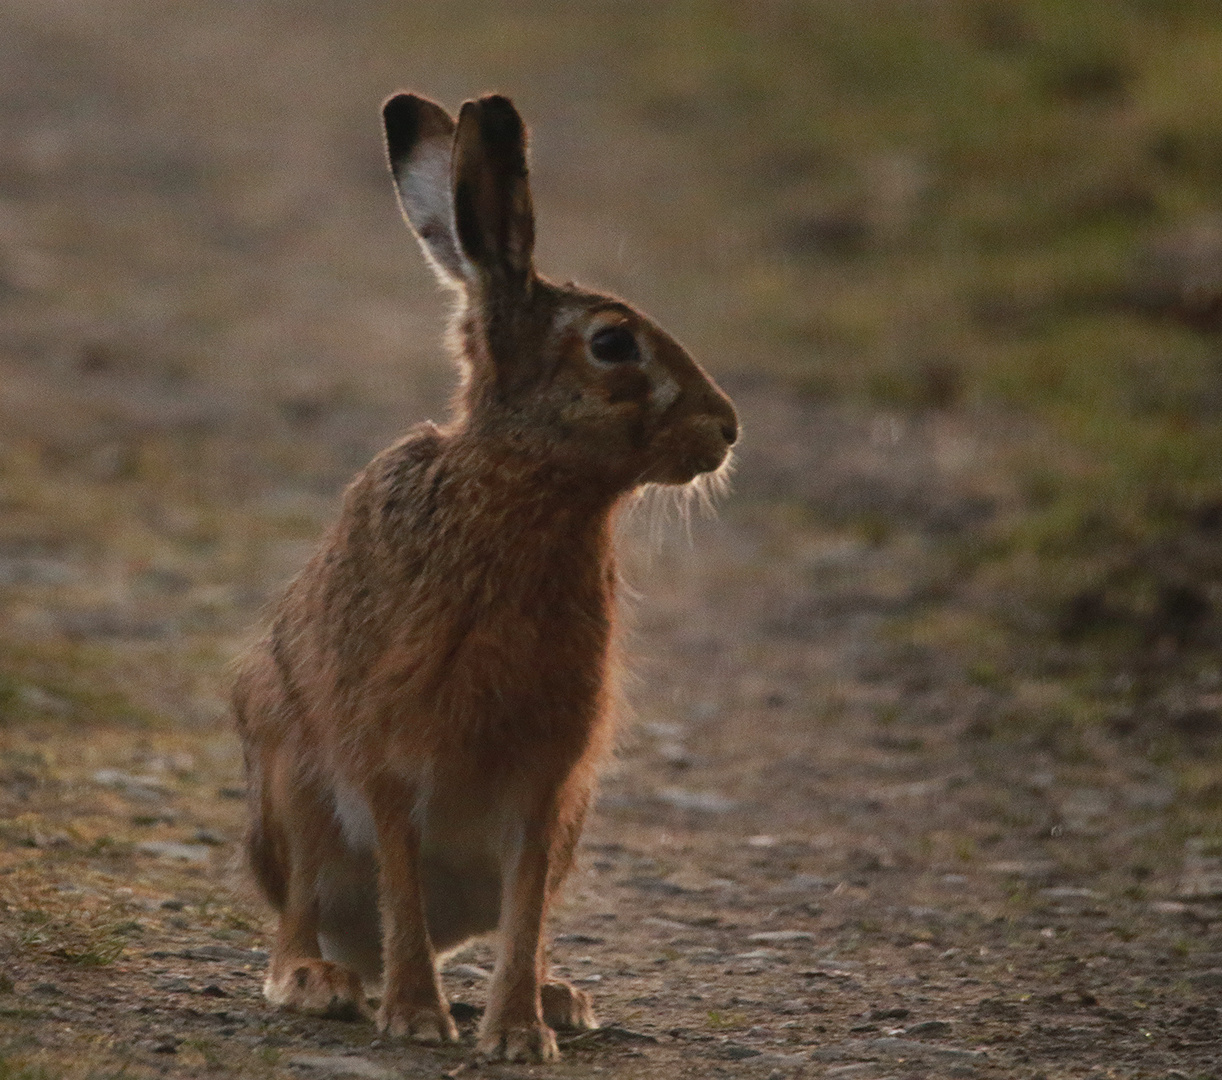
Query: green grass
[1004, 164]
[15, 1069]
[64, 683]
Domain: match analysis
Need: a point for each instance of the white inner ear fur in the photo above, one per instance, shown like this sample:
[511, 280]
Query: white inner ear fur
[424, 190]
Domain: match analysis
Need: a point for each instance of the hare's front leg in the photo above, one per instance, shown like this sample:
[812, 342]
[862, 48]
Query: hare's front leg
[523, 1003]
[513, 1028]
[565, 1007]
[413, 1004]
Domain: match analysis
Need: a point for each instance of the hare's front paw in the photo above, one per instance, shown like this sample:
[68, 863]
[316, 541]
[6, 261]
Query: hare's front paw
[567, 1008]
[420, 1023]
[316, 987]
[526, 1042]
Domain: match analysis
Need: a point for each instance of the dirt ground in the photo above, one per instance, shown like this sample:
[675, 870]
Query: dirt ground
[828, 847]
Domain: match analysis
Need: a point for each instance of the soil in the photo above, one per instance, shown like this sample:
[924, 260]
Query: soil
[826, 846]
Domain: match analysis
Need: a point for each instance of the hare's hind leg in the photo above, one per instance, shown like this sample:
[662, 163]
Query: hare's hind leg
[298, 978]
[566, 1008]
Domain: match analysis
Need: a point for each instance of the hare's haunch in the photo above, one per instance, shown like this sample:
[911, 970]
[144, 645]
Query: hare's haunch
[423, 720]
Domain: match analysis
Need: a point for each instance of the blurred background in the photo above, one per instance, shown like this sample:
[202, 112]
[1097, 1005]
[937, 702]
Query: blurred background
[1005, 212]
[958, 261]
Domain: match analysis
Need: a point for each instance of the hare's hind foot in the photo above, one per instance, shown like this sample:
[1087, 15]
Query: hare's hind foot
[424, 1023]
[317, 987]
[566, 1008]
[525, 1042]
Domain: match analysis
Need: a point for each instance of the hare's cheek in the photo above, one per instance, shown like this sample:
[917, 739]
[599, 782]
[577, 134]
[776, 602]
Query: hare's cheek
[604, 422]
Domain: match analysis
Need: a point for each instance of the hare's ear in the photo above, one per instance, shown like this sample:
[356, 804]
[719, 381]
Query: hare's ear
[419, 144]
[492, 209]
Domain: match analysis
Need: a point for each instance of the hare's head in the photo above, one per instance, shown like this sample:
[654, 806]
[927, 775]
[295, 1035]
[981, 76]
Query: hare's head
[580, 377]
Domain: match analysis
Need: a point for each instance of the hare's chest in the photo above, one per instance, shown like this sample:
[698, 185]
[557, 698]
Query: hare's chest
[529, 658]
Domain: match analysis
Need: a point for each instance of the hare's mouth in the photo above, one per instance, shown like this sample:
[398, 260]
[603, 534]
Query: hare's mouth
[713, 461]
[695, 466]
[715, 448]
[710, 485]
[665, 500]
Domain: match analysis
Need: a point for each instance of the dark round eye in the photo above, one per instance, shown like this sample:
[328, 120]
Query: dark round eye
[614, 345]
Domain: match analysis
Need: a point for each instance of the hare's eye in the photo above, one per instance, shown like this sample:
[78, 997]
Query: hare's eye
[614, 345]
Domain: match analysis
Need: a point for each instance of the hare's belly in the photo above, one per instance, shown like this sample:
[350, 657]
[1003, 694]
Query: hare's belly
[461, 853]
[463, 838]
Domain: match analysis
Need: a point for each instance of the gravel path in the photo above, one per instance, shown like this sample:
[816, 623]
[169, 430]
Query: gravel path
[828, 845]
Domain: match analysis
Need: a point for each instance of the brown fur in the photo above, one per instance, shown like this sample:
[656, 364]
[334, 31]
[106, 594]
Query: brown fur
[423, 721]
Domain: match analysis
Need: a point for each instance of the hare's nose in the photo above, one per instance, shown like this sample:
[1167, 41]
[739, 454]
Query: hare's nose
[729, 432]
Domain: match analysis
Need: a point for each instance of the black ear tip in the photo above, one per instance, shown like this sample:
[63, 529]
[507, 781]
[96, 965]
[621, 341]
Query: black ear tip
[401, 118]
[498, 103]
[501, 127]
[500, 118]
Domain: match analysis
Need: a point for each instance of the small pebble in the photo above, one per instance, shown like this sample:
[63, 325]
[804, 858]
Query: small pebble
[738, 1052]
[888, 1014]
[676, 755]
[170, 849]
[780, 937]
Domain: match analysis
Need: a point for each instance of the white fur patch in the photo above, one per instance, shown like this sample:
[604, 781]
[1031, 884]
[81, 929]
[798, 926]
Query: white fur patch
[665, 389]
[355, 817]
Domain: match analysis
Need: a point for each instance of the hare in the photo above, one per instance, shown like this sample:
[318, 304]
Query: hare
[423, 720]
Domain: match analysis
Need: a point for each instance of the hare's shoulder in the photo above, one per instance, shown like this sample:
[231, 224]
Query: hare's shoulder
[398, 488]
[354, 586]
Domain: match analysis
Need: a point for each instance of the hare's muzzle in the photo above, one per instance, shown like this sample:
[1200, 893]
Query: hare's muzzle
[729, 428]
[721, 411]
[709, 429]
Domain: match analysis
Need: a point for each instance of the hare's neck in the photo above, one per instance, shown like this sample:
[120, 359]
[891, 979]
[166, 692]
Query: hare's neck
[521, 580]
[519, 518]
[538, 488]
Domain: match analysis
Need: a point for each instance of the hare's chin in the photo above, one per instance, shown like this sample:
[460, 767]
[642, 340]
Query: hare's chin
[704, 473]
[713, 469]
